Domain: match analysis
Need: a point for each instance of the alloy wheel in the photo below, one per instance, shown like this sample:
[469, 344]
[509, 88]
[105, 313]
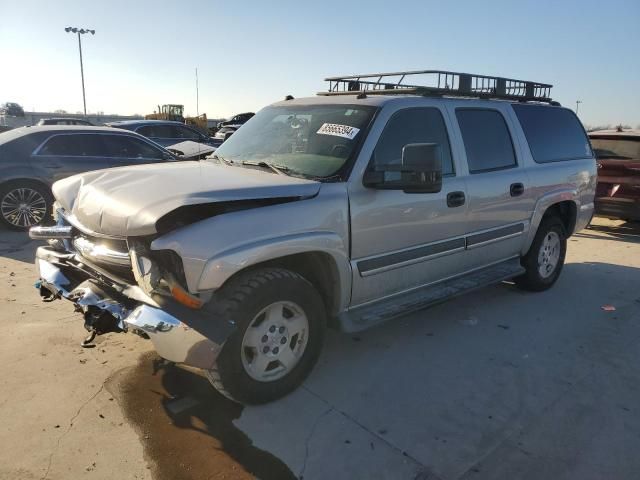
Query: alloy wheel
[23, 207]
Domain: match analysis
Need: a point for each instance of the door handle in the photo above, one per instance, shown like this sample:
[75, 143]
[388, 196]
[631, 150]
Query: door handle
[516, 189]
[455, 199]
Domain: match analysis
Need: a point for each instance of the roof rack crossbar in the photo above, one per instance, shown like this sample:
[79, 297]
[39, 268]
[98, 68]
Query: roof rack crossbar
[440, 82]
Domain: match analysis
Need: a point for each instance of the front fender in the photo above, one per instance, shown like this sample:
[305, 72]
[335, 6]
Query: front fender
[220, 268]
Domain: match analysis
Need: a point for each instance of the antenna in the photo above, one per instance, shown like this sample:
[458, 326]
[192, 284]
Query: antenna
[197, 95]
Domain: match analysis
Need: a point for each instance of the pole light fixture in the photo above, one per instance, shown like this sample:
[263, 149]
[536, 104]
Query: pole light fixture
[81, 31]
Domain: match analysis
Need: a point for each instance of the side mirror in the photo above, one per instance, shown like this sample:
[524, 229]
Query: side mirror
[419, 172]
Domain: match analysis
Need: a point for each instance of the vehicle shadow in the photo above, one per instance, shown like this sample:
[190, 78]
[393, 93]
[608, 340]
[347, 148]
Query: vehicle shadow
[194, 436]
[626, 232]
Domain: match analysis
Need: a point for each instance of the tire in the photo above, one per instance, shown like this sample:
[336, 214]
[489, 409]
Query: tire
[34, 200]
[271, 351]
[545, 259]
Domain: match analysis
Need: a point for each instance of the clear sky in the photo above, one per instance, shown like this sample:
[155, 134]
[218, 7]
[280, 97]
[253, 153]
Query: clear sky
[251, 53]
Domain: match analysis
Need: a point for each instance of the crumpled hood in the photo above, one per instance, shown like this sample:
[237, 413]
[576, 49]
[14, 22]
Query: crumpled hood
[127, 201]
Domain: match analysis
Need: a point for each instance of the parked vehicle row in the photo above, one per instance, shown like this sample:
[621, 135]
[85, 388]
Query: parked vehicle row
[165, 132]
[344, 210]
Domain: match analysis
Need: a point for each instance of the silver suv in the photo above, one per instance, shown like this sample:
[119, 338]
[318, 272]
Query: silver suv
[371, 200]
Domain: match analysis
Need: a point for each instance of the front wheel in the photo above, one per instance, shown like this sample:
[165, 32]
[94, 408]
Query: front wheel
[280, 320]
[544, 260]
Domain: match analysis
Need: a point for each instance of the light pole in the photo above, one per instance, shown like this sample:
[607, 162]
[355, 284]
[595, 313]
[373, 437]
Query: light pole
[578, 102]
[80, 31]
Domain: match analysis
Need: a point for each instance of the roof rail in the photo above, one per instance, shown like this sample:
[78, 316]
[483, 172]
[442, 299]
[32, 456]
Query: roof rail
[439, 83]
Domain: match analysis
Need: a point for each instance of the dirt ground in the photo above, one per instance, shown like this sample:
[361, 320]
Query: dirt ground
[500, 384]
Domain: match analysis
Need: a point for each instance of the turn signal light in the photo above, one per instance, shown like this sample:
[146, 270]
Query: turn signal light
[184, 297]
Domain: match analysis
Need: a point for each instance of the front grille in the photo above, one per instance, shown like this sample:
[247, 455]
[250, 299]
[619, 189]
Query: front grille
[110, 254]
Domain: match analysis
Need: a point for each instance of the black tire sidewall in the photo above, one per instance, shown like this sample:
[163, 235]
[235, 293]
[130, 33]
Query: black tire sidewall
[41, 189]
[288, 287]
[532, 280]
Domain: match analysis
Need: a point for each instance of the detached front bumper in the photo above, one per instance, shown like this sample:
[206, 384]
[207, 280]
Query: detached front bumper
[169, 325]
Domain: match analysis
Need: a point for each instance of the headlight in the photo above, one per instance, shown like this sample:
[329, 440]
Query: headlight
[149, 277]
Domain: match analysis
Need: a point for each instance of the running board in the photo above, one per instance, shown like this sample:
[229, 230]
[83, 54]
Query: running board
[366, 316]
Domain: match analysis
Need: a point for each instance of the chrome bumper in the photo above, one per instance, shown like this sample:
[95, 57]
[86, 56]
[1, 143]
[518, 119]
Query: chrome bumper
[172, 339]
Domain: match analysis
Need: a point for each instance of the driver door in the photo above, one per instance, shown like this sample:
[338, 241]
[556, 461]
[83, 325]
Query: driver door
[404, 240]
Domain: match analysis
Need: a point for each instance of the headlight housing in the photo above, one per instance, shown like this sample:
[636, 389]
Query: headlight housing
[152, 280]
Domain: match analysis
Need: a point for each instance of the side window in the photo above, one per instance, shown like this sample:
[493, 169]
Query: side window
[187, 134]
[486, 138]
[157, 131]
[553, 134]
[413, 125]
[123, 146]
[147, 131]
[78, 145]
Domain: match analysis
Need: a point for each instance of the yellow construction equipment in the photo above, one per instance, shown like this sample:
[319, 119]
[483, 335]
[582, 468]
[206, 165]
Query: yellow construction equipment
[175, 113]
[167, 112]
[199, 122]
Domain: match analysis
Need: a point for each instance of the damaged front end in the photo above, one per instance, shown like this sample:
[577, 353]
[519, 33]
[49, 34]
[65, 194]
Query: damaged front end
[119, 285]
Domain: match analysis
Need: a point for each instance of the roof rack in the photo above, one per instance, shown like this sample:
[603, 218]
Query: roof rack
[439, 83]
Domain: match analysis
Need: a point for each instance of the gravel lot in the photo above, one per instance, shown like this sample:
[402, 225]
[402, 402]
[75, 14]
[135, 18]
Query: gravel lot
[499, 384]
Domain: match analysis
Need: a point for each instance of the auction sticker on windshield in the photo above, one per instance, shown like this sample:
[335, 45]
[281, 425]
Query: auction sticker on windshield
[344, 131]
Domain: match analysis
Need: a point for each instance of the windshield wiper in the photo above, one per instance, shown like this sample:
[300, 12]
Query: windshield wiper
[220, 157]
[279, 169]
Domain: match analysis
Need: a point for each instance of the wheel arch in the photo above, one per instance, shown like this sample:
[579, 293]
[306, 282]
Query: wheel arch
[20, 179]
[562, 204]
[320, 258]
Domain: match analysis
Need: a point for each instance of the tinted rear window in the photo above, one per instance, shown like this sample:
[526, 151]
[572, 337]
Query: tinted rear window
[76, 145]
[486, 140]
[554, 134]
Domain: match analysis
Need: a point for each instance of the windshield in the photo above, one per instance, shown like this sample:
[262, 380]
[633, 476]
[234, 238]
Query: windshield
[312, 140]
[616, 149]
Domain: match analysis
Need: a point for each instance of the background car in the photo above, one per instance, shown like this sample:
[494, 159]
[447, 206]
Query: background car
[225, 132]
[32, 158]
[238, 119]
[165, 132]
[618, 156]
[11, 109]
[64, 121]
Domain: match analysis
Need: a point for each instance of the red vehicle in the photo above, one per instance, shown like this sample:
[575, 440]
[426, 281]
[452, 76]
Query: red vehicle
[618, 156]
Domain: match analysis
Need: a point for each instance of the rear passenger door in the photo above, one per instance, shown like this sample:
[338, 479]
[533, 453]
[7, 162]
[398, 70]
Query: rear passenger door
[66, 154]
[500, 196]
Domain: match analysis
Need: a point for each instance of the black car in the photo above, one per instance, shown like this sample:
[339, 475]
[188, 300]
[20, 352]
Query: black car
[165, 132]
[237, 120]
[32, 158]
[11, 109]
[64, 121]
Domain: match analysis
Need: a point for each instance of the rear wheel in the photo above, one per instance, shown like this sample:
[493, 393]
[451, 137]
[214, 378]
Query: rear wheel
[24, 205]
[280, 320]
[544, 260]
